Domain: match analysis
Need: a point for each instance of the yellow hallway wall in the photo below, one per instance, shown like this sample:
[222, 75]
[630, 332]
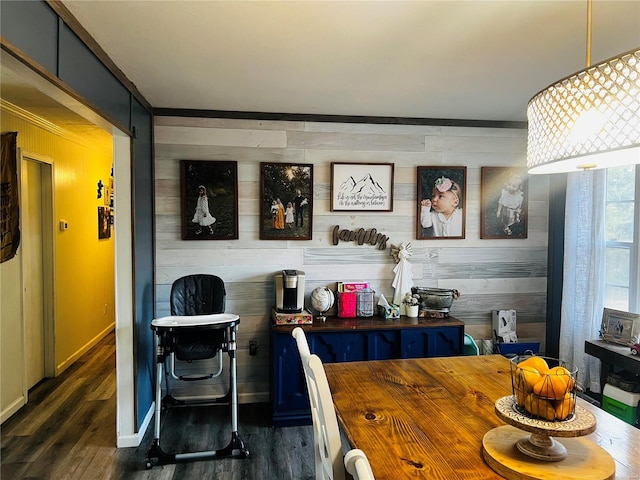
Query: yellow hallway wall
[84, 265]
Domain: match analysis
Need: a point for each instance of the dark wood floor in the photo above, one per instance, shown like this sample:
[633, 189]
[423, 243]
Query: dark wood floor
[67, 431]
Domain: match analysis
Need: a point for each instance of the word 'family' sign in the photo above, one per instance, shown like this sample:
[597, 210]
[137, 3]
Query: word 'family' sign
[362, 236]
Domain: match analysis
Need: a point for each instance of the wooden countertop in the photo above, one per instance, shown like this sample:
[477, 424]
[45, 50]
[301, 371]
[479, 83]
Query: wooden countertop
[426, 418]
[372, 323]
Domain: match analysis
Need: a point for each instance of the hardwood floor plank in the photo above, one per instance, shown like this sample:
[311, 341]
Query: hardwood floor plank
[46, 409]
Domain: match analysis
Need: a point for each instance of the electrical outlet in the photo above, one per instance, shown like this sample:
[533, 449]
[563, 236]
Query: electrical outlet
[253, 347]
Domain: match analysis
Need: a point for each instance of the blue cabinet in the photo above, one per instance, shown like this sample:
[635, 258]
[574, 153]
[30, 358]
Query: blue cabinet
[339, 340]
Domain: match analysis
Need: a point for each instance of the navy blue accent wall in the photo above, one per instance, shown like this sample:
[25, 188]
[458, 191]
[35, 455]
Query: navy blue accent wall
[39, 33]
[142, 174]
[80, 69]
[32, 27]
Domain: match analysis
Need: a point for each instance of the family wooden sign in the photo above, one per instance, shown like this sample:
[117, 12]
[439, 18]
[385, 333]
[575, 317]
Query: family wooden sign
[361, 236]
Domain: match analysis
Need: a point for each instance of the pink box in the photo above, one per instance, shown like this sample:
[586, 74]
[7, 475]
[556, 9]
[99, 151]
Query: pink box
[302, 318]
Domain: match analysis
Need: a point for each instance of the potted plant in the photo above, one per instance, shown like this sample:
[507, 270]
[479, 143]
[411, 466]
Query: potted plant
[412, 304]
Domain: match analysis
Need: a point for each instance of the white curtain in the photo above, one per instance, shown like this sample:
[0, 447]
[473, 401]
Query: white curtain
[583, 277]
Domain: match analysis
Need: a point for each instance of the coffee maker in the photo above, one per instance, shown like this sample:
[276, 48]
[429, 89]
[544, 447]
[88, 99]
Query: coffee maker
[289, 291]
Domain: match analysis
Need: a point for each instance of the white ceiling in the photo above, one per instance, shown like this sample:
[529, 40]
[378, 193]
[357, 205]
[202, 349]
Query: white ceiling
[465, 60]
[474, 60]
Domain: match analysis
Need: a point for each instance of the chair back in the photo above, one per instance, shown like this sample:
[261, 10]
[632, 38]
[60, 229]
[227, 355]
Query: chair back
[357, 464]
[199, 294]
[326, 434]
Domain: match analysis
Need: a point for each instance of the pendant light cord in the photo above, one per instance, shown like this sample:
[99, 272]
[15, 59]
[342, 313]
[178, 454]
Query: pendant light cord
[589, 17]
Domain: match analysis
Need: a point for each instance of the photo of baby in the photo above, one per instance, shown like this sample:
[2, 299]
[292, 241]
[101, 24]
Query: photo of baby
[503, 202]
[441, 210]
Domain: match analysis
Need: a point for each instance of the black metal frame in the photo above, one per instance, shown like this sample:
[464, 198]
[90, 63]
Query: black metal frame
[165, 338]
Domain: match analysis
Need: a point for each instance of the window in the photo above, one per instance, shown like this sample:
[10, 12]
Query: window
[622, 217]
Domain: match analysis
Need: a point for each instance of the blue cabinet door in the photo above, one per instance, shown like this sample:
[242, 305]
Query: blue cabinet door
[383, 344]
[432, 342]
[288, 388]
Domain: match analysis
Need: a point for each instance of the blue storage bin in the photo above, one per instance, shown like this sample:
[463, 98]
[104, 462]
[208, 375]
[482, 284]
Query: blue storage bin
[518, 348]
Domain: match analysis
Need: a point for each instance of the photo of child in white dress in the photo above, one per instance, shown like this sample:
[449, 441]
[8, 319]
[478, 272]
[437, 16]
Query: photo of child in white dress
[510, 204]
[503, 202]
[202, 217]
[209, 199]
[441, 207]
[288, 215]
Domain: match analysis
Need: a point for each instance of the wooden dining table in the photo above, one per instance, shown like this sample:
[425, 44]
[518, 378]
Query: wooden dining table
[427, 417]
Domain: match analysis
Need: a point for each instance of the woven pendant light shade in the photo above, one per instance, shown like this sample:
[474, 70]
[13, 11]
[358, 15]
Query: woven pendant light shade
[590, 119]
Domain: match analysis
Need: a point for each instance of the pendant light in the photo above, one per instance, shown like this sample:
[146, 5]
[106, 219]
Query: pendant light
[588, 120]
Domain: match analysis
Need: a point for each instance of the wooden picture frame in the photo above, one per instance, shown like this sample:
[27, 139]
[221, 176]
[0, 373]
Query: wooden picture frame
[504, 202]
[209, 199]
[362, 187]
[104, 223]
[620, 327]
[441, 207]
[286, 201]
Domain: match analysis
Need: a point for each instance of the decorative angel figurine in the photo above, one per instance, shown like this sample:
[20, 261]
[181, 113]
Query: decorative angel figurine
[403, 280]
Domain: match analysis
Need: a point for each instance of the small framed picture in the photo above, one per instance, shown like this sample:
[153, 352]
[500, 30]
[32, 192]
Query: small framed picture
[286, 201]
[362, 187]
[104, 223]
[620, 327]
[503, 203]
[441, 202]
[209, 200]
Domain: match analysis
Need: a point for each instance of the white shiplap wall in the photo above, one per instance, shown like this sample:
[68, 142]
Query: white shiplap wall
[490, 274]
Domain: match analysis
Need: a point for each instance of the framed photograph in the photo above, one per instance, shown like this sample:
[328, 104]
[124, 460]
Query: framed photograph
[362, 187]
[209, 199]
[104, 223]
[620, 327]
[286, 201]
[503, 203]
[441, 202]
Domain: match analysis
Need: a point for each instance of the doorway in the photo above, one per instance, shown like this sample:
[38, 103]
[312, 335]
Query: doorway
[37, 267]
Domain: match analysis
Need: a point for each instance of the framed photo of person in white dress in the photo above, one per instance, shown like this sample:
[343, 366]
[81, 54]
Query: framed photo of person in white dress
[504, 202]
[209, 200]
[441, 202]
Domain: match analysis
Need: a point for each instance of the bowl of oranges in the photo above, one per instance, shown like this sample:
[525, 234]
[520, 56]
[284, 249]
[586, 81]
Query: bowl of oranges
[544, 388]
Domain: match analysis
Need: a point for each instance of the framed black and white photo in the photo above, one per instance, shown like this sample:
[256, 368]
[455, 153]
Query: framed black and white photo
[286, 201]
[620, 327]
[503, 203]
[209, 199]
[362, 187]
[441, 202]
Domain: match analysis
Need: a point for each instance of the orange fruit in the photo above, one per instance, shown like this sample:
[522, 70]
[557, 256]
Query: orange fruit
[552, 387]
[526, 377]
[540, 407]
[536, 362]
[564, 407]
[566, 374]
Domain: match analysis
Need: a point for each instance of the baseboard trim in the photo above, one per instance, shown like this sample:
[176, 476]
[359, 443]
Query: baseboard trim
[126, 441]
[16, 405]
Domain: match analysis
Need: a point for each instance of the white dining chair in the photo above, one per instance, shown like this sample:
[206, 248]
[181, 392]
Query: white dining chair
[357, 464]
[326, 434]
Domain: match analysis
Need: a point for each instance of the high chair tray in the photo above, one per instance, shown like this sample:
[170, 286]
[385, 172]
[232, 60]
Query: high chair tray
[194, 320]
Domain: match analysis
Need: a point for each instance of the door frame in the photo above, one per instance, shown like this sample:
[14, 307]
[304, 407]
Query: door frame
[48, 262]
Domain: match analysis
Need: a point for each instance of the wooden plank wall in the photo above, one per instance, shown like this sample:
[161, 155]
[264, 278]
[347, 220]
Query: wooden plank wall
[490, 274]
